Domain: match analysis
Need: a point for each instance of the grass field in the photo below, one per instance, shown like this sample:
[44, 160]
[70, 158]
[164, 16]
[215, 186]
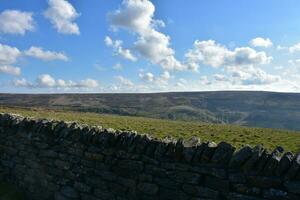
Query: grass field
[236, 135]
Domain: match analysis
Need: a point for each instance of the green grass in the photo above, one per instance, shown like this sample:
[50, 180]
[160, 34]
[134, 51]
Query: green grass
[236, 135]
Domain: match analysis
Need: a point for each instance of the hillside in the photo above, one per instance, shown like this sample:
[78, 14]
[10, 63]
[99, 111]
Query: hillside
[236, 135]
[258, 109]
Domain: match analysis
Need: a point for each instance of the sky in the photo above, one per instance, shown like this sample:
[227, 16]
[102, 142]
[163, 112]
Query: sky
[105, 46]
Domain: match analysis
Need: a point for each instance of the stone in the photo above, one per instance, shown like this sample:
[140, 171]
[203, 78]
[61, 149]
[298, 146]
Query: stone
[271, 165]
[250, 163]
[208, 170]
[244, 189]
[188, 153]
[131, 165]
[169, 194]
[236, 196]
[284, 164]
[223, 153]
[217, 184]
[148, 188]
[185, 177]
[142, 144]
[62, 164]
[70, 192]
[240, 157]
[264, 182]
[82, 187]
[237, 178]
[292, 172]
[199, 191]
[292, 186]
[262, 162]
[208, 152]
[275, 194]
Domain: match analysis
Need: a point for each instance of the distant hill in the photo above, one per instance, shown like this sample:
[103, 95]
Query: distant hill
[248, 108]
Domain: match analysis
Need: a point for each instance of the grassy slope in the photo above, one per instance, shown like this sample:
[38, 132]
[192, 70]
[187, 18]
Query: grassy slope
[236, 135]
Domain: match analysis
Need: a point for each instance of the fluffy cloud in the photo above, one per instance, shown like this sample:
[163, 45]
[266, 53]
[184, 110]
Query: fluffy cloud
[149, 77]
[21, 83]
[8, 54]
[137, 16]
[162, 79]
[47, 81]
[220, 77]
[118, 49]
[213, 54]
[249, 75]
[16, 22]
[8, 57]
[261, 42]
[117, 66]
[294, 48]
[16, 71]
[38, 52]
[124, 81]
[62, 15]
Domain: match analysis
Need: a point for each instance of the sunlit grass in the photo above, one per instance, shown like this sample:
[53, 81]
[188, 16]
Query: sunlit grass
[236, 135]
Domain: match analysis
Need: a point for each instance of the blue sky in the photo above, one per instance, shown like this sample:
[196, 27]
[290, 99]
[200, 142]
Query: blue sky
[149, 46]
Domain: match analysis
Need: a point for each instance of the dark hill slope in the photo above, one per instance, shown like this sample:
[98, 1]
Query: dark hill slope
[262, 109]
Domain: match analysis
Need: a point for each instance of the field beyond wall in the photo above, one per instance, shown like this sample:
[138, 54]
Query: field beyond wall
[238, 136]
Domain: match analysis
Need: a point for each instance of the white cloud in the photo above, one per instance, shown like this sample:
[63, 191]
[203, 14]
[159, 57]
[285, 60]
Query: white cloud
[124, 81]
[137, 16]
[117, 66]
[38, 52]
[249, 75]
[45, 80]
[16, 22]
[149, 77]
[88, 83]
[22, 83]
[213, 54]
[162, 79]
[9, 56]
[118, 49]
[294, 48]
[220, 77]
[62, 15]
[261, 42]
[16, 71]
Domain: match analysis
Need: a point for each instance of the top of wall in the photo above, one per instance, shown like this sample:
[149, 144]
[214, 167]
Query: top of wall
[254, 160]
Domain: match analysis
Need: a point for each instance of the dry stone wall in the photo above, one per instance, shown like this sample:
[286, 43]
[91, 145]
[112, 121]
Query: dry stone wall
[67, 161]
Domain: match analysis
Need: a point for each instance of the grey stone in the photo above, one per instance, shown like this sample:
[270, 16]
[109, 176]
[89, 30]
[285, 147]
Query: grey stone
[185, 177]
[264, 182]
[148, 188]
[217, 184]
[271, 165]
[250, 163]
[82, 187]
[240, 157]
[223, 153]
[198, 191]
[236, 196]
[293, 186]
[292, 172]
[244, 189]
[275, 194]
[70, 192]
[208, 152]
[284, 164]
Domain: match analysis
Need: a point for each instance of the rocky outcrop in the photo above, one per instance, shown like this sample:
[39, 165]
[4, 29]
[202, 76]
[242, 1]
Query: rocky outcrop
[66, 161]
